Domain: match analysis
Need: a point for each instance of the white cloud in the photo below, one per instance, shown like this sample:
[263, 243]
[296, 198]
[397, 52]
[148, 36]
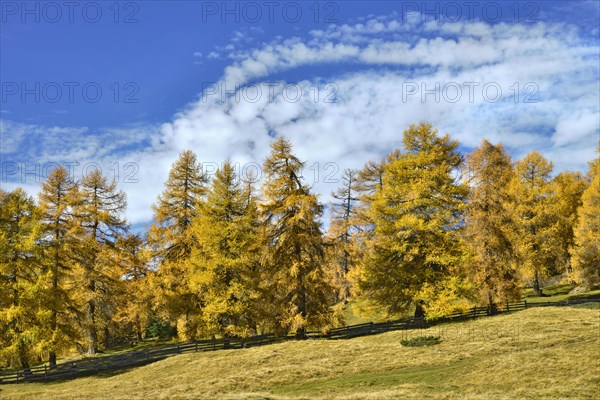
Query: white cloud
[576, 128]
[373, 108]
[12, 137]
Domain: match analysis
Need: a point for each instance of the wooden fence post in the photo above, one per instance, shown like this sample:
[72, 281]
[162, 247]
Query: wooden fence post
[525, 304]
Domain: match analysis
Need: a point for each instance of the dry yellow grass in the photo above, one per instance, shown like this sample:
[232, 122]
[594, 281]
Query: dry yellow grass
[550, 353]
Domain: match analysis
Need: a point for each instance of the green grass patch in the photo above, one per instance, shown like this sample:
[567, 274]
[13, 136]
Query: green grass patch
[420, 341]
[594, 294]
[374, 382]
[550, 291]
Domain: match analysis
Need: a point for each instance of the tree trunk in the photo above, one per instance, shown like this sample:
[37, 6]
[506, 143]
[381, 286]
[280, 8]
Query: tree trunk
[346, 284]
[301, 305]
[419, 311]
[24, 360]
[492, 308]
[189, 328]
[91, 328]
[53, 328]
[138, 329]
[54, 316]
[536, 285]
[301, 333]
[106, 336]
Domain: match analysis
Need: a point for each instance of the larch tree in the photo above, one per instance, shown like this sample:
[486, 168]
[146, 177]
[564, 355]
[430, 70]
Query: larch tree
[534, 204]
[296, 292]
[568, 189]
[135, 300]
[489, 224]
[99, 212]
[21, 288]
[416, 252]
[56, 200]
[368, 181]
[225, 256]
[171, 241]
[369, 178]
[586, 249]
[342, 230]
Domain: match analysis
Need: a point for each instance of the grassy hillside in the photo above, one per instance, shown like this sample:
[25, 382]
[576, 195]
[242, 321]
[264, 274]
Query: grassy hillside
[559, 292]
[549, 353]
[359, 310]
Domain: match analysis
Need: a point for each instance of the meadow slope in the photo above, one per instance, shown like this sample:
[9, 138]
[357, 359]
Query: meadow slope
[544, 353]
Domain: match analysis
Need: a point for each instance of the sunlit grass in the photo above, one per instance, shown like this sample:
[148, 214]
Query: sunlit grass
[558, 292]
[542, 353]
[549, 291]
[360, 311]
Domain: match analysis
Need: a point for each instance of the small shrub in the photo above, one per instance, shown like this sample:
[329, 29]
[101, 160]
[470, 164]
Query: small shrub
[421, 341]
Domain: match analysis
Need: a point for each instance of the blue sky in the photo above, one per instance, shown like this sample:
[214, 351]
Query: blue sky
[128, 85]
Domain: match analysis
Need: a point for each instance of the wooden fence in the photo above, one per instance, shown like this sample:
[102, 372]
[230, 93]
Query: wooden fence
[116, 362]
[106, 364]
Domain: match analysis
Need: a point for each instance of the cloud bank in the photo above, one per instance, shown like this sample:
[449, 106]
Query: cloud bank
[529, 86]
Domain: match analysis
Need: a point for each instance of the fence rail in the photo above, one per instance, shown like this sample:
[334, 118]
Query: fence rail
[90, 366]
